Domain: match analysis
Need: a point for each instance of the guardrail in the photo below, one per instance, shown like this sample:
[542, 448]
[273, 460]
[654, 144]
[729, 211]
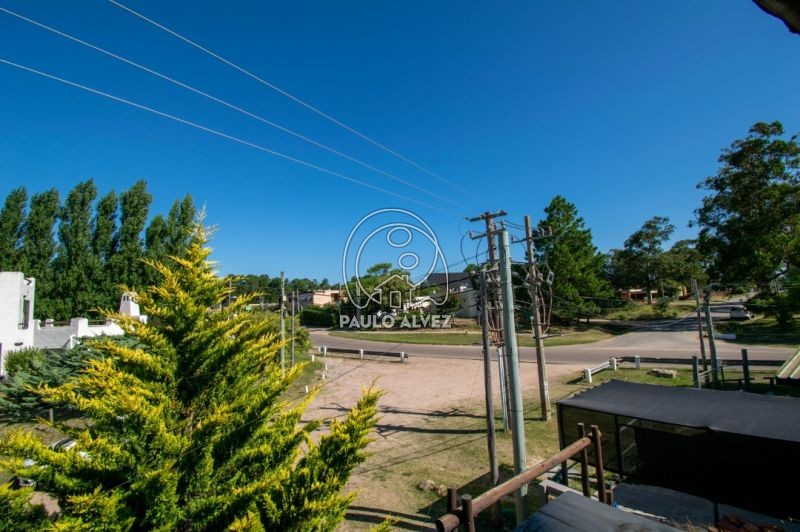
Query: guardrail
[636, 360]
[469, 508]
[588, 372]
[326, 350]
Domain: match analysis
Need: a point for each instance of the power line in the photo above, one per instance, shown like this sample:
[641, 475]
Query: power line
[295, 99]
[221, 134]
[228, 104]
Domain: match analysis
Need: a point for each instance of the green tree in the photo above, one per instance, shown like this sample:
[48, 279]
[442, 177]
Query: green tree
[750, 223]
[12, 218]
[126, 264]
[179, 224]
[682, 262]
[577, 266]
[104, 247]
[156, 242]
[191, 426]
[73, 281]
[642, 262]
[39, 248]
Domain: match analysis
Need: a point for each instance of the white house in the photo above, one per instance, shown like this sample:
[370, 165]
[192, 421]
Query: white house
[18, 329]
[16, 314]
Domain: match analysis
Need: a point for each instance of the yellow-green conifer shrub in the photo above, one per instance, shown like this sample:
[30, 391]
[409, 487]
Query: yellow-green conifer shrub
[190, 426]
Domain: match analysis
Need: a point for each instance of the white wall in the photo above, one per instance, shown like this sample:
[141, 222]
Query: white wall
[15, 291]
[64, 336]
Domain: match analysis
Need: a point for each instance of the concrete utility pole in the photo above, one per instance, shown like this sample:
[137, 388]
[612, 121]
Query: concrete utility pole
[696, 293]
[294, 299]
[712, 346]
[283, 325]
[512, 367]
[494, 468]
[544, 392]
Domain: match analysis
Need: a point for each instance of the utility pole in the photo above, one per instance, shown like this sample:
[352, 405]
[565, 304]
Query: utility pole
[496, 317]
[544, 392]
[696, 293]
[512, 367]
[283, 325]
[712, 346]
[494, 468]
[294, 299]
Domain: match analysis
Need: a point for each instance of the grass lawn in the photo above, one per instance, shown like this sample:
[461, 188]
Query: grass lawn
[762, 331]
[571, 336]
[643, 311]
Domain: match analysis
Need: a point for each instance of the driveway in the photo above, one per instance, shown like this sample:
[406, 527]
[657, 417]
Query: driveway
[672, 338]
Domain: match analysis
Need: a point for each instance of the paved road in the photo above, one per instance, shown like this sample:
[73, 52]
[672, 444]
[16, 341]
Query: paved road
[673, 339]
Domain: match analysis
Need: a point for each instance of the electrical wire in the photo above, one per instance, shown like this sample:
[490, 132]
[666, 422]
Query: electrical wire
[221, 134]
[230, 106]
[296, 100]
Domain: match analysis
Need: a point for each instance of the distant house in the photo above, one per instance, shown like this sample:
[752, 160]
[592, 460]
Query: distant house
[456, 284]
[635, 294]
[318, 297]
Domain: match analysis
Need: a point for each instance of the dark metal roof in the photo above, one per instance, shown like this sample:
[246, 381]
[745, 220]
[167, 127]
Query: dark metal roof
[750, 414]
[571, 511]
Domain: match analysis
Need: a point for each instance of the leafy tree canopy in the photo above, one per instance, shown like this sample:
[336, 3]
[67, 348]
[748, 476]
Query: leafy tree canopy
[750, 221]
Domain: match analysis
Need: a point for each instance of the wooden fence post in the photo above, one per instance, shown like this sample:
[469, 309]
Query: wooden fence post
[469, 515]
[598, 464]
[452, 499]
[584, 463]
[746, 369]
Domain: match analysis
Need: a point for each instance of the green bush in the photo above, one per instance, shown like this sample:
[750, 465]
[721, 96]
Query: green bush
[28, 369]
[319, 316]
[26, 359]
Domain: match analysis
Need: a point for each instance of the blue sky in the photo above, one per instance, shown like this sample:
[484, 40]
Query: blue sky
[621, 107]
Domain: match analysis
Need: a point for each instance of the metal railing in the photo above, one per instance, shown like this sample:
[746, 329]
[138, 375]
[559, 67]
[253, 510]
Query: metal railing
[610, 364]
[325, 351]
[464, 510]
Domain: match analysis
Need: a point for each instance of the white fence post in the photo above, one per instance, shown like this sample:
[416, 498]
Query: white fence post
[587, 375]
[402, 356]
[613, 363]
[637, 362]
[324, 350]
[361, 353]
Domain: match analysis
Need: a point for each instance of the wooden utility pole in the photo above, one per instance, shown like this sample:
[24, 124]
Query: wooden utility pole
[696, 293]
[494, 468]
[512, 368]
[544, 392]
[283, 325]
[294, 299]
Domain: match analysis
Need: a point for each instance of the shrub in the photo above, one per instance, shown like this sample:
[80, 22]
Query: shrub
[191, 428]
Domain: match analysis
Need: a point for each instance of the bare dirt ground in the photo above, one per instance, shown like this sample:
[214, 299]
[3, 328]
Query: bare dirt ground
[432, 427]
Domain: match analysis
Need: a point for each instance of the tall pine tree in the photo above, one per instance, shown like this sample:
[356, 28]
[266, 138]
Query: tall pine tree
[576, 264]
[12, 217]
